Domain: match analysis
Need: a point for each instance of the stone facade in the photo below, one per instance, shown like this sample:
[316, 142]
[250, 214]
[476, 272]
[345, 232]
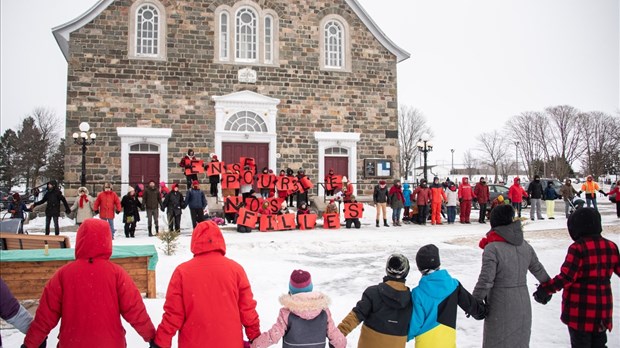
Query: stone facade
[107, 89]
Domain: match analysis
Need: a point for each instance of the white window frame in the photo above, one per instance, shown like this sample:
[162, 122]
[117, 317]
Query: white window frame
[255, 35]
[161, 31]
[224, 35]
[333, 52]
[268, 39]
[345, 44]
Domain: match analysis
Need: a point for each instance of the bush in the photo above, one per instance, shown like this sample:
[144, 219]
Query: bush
[169, 241]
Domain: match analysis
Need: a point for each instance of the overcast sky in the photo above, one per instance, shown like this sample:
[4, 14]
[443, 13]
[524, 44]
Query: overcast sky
[473, 64]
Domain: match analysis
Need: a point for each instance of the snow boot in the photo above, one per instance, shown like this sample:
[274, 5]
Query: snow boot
[385, 223]
[150, 232]
[377, 223]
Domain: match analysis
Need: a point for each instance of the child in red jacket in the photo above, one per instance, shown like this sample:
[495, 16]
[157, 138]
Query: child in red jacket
[587, 303]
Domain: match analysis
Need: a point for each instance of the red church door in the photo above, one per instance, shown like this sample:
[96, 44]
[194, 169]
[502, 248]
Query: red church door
[143, 168]
[231, 152]
[340, 165]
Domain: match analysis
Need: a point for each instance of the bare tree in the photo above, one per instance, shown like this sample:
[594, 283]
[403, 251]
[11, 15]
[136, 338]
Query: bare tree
[49, 128]
[411, 126]
[494, 149]
[524, 129]
[471, 163]
[601, 142]
[564, 143]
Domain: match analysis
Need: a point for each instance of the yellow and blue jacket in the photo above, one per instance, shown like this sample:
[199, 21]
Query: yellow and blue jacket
[435, 299]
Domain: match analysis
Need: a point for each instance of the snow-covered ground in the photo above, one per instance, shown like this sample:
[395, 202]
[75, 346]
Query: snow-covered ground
[344, 262]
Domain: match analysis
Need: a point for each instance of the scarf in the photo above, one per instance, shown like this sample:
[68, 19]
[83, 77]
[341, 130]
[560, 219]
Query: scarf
[83, 198]
[490, 238]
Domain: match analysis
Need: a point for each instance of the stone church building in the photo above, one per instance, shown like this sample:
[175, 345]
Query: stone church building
[292, 83]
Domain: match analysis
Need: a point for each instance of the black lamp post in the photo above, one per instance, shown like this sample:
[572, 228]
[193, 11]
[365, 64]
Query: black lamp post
[452, 150]
[84, 138]
[425, 146]
[517, 156]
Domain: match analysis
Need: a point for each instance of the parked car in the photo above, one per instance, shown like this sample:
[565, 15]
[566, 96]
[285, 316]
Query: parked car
[494, 191]
[557, 185]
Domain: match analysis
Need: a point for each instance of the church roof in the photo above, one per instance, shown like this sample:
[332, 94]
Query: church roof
[63, 32]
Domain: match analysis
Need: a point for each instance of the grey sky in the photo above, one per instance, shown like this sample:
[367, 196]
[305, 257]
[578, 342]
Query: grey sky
[473, 64]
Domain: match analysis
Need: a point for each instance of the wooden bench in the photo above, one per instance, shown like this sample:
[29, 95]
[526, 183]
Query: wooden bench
[12, 241]
[27, 271]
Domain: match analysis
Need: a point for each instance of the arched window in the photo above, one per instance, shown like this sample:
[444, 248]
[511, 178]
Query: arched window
[246, 27]
[336, 151]
[246, 121]
[268, 39]
[224, 36]
[334, 44]
[148, 148]
[147, 30]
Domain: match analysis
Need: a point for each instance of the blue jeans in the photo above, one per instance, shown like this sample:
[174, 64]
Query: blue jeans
[396, 214]
[591, 201]
[517, 207]
[451, 213]
[111, 223]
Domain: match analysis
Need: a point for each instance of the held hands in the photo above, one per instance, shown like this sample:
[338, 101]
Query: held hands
[482, 312]
[152, 344]
[541, 296]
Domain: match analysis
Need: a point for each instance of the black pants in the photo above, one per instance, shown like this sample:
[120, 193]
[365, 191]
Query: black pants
[291, 198]
[189, 179]
[422, 214]
[198, 215]
[130, 229]
[483, 212]
[302, 198]
[354, 222]
[47, 225]
[581, 339]
[174, 222]
[618, 206]
[213, 189]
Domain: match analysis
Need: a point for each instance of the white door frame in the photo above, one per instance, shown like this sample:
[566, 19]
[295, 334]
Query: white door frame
[338, 139]
[134, 135]
[265, 107]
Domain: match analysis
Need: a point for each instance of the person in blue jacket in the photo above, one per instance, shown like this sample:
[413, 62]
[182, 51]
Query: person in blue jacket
[433, 321]
[407, 195]
[197, 202]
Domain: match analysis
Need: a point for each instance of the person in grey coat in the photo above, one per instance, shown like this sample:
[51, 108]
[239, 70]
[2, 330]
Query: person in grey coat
[13, 312]
[83, 207]
[506, 259]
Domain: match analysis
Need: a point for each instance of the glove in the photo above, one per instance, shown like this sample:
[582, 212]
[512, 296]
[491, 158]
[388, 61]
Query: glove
[117, 212]
[246, 344]
[541, 296]
[96, 212]
[152, 344]
[460, 200]
[603, 192]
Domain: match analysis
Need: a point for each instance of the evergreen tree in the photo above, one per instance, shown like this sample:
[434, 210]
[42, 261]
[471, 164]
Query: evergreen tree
[8, 159]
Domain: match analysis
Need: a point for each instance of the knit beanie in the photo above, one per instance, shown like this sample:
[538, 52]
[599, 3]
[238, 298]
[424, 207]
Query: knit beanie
[502, 215]
[427, 258]
[300, 281]
[397, 266]
[584, 222]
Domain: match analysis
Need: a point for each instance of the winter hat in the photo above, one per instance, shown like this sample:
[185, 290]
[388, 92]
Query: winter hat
[536, 177]
[502, 215]
[584, 222]
[397, 266]
[283, 205]
[195, 183]
[16, 196]
[214, 157]
[190, 151]
[500, 198]
[130, 189]
[344, 179]
[382, 182]
[427, 258]
[83, 190]
[452, 187]
[174, 185]
[301, 281]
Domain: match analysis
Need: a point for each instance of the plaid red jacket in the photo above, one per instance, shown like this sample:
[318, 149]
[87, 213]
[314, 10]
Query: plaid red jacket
[587, 302]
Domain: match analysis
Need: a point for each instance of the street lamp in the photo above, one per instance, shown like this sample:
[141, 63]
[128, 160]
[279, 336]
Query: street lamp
[517, 156]
[452, 150]
[425, 146]
[84, 139]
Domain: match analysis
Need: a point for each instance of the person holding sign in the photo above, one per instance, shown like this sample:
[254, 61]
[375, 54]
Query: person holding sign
[265, 182]
[302, 210]
[353, 213]
[186, 164]
[214, 178]
[330, 183]
[291, 193]
[302, 194]
[347, 190]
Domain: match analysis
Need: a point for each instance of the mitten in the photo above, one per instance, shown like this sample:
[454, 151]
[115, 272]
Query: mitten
[483, 310]
[246, 344]
[602, 192]
[152, 344]
[541, 296]
[96, 212]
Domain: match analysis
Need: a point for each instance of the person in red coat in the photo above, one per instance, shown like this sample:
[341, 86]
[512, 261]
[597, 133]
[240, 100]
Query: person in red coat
[587, 301]
[107, 204]
[516, 194]
[481, 192]
[209, 298]
[466, 195]
[616, 191]
[90, 295]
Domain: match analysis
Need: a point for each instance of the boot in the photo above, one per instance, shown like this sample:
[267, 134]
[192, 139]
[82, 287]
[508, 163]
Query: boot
[398, 223]
[385, 223]
[126, 232]
[377, 223]
[156, 230]
[150, 233]
[132, 233]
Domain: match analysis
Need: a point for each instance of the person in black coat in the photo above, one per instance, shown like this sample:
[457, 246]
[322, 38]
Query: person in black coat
[214, 180]
[535, 191]
[174, 203]
[53, 197]
[131, 212]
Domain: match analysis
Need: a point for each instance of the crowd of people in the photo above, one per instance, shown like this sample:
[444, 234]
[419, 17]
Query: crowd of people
[390, 313]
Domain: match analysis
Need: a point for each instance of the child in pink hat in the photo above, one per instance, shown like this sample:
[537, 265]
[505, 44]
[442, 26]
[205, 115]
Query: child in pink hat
[304, 318]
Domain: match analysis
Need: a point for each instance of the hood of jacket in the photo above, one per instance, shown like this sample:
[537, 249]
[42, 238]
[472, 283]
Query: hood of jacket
[516, 181]
[93, 240]
[207, 237]
[306, 305]
[465, 180]
[406, 187]
[513, 233]
[396, 294]
[438, 284]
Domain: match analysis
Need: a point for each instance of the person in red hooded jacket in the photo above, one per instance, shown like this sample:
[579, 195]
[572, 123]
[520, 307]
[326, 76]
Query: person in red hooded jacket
[108, 203]
[209, 297]
[90, 295]
[466, 195]
[516, 194]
